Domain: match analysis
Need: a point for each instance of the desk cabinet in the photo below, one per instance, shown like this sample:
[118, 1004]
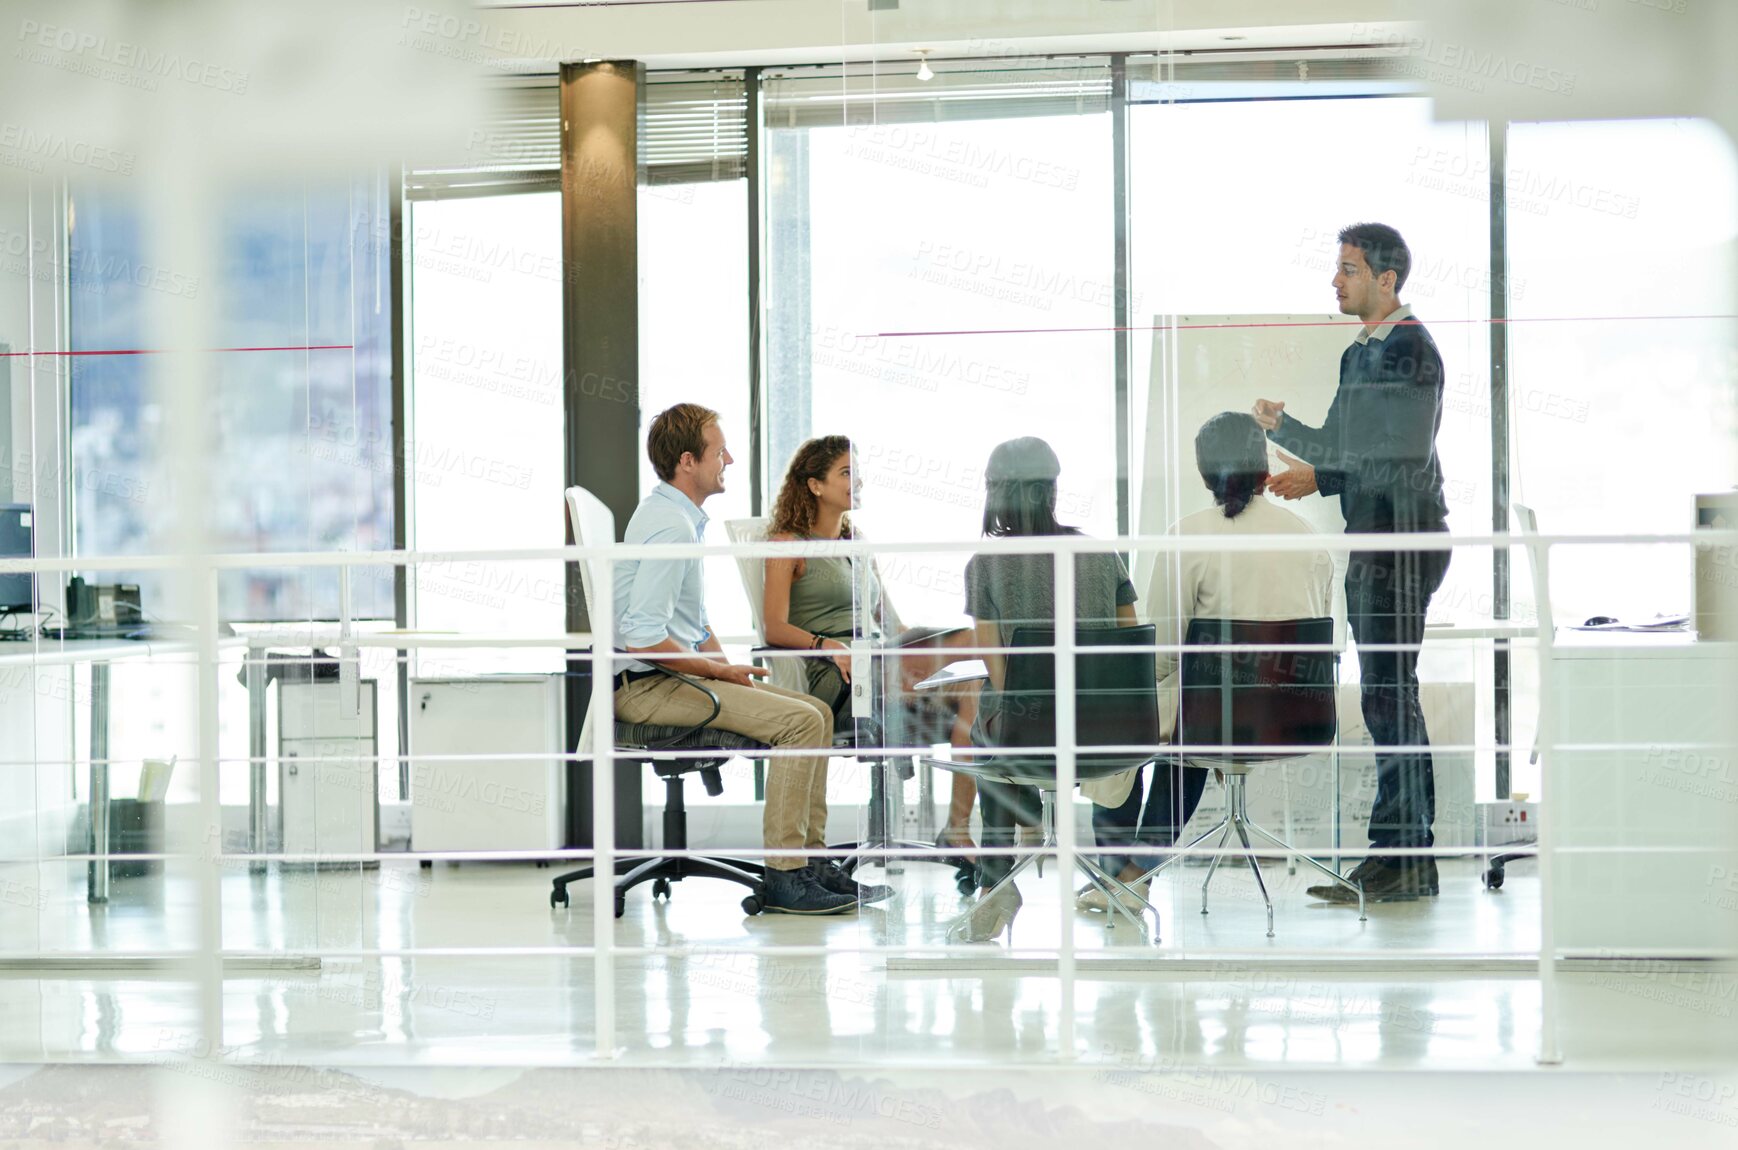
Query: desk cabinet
[486, 803]
[328, 796]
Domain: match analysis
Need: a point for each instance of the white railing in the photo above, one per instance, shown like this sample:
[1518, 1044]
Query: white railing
[205, 964]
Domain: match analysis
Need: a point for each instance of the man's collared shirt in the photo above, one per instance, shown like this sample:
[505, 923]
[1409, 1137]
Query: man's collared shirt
[1376, 450]
[658, 599]
[1386, 327]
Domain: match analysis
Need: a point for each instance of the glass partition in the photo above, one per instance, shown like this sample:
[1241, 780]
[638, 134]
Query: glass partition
[1042, 297]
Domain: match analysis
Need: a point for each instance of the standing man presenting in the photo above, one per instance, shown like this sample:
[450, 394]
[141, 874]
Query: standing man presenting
[1377, 451]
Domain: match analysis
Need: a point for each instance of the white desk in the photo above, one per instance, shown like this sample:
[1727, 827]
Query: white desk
[322, 636]
[1624, 700]
[99, 653]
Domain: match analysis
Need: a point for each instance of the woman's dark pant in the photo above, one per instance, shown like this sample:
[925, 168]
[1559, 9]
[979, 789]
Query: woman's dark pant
[1004, 807]
[1171, 802]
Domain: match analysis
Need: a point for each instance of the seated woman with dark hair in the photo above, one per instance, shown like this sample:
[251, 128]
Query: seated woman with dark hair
[1231, 453]
[1004, 592]
[811, 603]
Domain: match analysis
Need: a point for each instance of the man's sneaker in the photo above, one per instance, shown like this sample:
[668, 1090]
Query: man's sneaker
[1400, 880]
[832, 876]
[797, 892]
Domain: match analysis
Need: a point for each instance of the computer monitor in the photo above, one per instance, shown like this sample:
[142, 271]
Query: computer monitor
[17, 588]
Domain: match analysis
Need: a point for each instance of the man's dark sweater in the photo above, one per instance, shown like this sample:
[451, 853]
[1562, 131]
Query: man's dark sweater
[1377, 448]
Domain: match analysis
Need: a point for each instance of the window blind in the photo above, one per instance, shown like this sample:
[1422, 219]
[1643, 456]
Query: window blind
[973, 90]
[695, 128]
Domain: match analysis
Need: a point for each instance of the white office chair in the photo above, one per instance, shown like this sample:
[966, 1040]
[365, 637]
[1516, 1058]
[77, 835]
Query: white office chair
[593, 523]
[783, 672]
[885, 773]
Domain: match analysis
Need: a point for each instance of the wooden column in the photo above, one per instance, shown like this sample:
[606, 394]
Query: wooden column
[601, 171]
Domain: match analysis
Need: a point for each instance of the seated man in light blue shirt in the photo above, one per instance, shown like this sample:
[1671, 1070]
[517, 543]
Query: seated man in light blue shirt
[660, 608]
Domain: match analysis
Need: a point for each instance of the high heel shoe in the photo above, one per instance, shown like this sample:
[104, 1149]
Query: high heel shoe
[993, 914]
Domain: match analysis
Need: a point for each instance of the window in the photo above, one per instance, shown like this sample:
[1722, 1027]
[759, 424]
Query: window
[1235, 211]
[483, 457]
[302, 342]
[941, 280]
[694, 346]
[1622, 234]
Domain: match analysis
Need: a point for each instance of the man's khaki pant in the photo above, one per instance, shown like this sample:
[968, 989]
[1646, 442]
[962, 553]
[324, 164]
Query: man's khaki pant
[795, 818]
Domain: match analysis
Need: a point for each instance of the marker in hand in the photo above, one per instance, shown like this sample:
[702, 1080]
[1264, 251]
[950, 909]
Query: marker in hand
[1267, 412]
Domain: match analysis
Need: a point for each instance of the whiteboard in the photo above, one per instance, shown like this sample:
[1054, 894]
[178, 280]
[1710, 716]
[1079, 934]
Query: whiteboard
[1203, 365]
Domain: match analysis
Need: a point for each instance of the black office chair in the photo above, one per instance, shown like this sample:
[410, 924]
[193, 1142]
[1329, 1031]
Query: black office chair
[1116, 704]
[641, 742]
[1271, 694]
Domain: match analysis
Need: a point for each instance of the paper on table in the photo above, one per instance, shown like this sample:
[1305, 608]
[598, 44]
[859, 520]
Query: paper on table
[964, 671]
[154, 780]
[1659, 622]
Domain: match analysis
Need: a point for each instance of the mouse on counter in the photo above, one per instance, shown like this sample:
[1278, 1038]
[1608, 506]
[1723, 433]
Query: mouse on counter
[1599, 621]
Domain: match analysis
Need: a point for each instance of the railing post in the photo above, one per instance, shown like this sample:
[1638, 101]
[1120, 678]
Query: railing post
[210, 950]
[97, 872]
[603, 803]
[254, 669]
[1065, 774]
[1550, 1052]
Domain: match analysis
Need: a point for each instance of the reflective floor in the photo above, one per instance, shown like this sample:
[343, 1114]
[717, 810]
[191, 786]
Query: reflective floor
[1211, 990]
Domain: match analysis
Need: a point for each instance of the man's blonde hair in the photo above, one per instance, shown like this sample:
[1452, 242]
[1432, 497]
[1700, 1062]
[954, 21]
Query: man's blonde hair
[675, 431]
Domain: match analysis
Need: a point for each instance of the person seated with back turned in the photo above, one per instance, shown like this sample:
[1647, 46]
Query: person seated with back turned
[660, 609]
[1004, 592]
[810, 603]
[1231, 453]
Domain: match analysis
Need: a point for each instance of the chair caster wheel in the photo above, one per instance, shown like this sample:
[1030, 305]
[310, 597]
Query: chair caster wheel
[426, 864]
[755, 902]
[661, 889]
[965, 884]
[1494, 878]
[542, 864]
[621, 904]
[557, 898]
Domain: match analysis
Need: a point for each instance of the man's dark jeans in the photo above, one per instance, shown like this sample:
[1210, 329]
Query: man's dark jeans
[1171, 802]
[1387, 594]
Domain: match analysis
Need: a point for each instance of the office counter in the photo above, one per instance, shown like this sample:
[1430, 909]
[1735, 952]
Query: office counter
[1646, 727]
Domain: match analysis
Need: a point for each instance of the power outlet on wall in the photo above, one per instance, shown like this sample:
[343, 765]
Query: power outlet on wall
[1506, 821]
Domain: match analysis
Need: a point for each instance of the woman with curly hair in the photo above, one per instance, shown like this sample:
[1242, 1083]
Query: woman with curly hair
[810, 603]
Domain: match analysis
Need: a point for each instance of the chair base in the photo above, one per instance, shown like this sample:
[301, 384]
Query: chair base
[1115, 889]
[1493, 874]
[1237, 819]
[879, 836]
[662, 871]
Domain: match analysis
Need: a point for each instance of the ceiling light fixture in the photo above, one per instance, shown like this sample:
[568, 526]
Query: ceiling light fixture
[924, 71]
